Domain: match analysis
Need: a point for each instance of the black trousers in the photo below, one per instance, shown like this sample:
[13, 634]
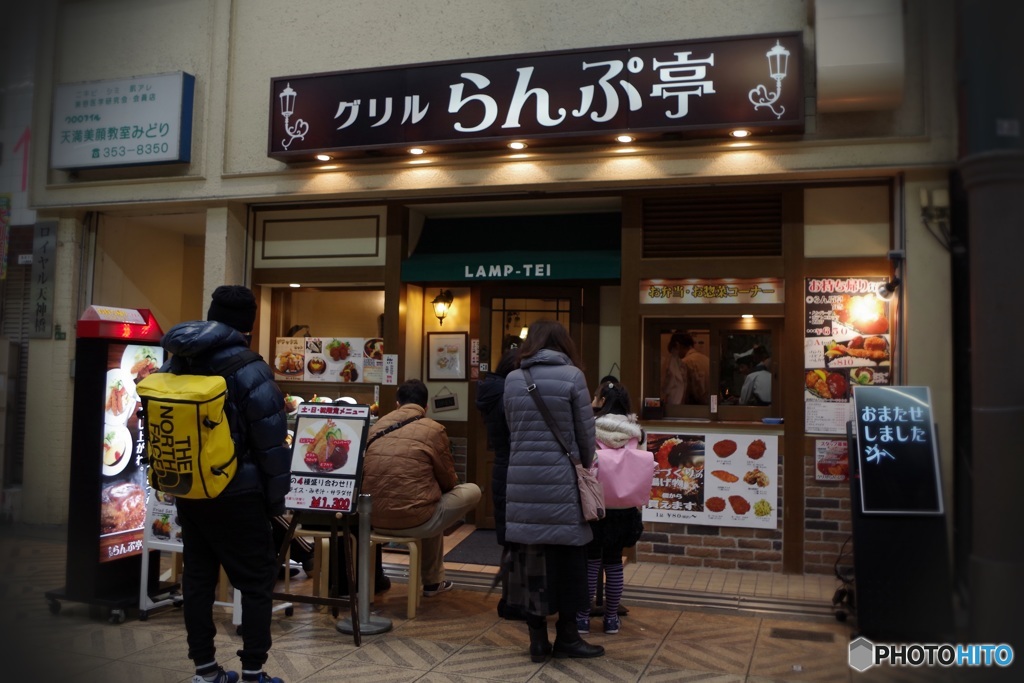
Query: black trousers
[234, 532]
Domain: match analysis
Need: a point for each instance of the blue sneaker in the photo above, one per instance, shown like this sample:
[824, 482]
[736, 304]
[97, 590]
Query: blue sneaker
[583, 625]
[611, 624]
[222, 677]
[263, 678]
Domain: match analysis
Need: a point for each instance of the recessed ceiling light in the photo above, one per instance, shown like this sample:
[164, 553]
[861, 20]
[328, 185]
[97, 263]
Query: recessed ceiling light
[517, 145]
[295, 284]
[625, 139]
[417, 150]
[747, 315]
[323, 157]
[740, 133]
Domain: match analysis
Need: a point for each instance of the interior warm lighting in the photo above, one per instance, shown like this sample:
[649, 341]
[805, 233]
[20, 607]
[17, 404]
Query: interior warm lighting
[625, 139]
[421, 161]
[747, 316]
[323, 157]
[517, 145]
[522, 333]
[417, 151]
[295, 285]
[518, 156]
[625, 150]
[441, 303]
[740, 133]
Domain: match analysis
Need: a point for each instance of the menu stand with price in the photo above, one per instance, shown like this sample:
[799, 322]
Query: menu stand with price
[326, 470]
[115, 348]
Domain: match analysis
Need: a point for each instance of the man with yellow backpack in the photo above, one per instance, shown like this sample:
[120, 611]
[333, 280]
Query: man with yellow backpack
[226, 492]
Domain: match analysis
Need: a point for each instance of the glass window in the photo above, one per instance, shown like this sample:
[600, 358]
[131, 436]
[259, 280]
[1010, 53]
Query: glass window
[688, 361]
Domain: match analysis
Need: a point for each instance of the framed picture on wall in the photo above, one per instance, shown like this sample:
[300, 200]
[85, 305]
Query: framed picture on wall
[446, 356]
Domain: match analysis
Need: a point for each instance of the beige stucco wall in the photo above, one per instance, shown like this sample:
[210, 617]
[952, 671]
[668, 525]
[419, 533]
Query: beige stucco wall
[235, 47]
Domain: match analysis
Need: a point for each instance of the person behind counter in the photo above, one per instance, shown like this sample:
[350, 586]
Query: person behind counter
[757, 387]
[687, 373]
[547, 565]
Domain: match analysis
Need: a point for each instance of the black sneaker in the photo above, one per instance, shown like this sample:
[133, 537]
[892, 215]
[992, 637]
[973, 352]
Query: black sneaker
[433, 589]
[381, 584]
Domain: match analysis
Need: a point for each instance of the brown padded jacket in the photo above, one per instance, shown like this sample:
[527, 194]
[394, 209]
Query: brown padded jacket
[407, 470]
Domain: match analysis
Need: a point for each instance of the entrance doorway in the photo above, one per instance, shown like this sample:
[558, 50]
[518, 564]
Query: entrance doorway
[506, 310]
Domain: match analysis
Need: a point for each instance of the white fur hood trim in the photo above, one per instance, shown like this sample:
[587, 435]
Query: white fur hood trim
[615, 431]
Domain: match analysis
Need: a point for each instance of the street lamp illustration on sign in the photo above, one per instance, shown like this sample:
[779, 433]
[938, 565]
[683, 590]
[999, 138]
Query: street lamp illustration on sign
[299, 130]
[778, 63]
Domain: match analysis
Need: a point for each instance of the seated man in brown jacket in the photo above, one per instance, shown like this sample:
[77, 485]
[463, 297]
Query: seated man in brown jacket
[410, 473]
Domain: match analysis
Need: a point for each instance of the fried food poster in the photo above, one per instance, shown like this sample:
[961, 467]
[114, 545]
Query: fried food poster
[327, 456]
[725, 480]
[847, 342]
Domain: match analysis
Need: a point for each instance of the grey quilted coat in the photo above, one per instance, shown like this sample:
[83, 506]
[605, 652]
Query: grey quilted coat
[543, 505]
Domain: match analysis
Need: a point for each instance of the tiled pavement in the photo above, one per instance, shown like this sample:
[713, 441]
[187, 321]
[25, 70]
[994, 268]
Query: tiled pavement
[456, 636]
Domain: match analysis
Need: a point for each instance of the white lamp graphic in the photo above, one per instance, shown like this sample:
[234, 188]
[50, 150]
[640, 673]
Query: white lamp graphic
[778, 63]
[299, 130]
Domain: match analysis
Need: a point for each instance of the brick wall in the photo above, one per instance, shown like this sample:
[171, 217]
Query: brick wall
[695, 545]
[827, 523]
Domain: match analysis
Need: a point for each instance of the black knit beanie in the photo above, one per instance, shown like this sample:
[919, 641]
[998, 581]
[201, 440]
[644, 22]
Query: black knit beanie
[233, 305]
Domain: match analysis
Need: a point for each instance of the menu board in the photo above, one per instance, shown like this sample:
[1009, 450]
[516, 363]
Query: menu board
[327, 456]
[897, 454]
[847, 343]
[123, 476]
[329, 359]
[727, 480]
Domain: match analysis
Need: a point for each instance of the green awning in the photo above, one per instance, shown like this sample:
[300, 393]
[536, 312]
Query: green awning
[513, 265]
[568, 247]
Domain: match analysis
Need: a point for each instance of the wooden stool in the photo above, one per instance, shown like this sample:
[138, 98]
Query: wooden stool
[415, 549]
[321, 560]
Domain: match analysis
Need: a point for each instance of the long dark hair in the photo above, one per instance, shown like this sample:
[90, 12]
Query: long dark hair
[507, 363]
[549, 334]
[616, 400]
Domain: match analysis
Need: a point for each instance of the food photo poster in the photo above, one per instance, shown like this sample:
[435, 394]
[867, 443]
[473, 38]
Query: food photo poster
[446, 356]
[327, 451]
[329, 359]
[847, 342]
[727, 480]
[123, 487]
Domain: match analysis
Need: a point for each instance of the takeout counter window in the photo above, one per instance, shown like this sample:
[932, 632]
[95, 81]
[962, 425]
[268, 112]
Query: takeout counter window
[732, 368]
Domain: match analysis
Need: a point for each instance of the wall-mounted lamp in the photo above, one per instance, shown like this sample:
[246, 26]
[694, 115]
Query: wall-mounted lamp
[885, 290]
[441, 303]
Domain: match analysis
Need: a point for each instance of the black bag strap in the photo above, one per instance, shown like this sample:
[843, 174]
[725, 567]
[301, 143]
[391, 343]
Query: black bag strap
[232, 364]
[531, 389]
[388, 430]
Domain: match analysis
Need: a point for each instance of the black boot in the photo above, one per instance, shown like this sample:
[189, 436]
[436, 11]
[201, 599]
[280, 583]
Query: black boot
[568, 643]
[540, 646]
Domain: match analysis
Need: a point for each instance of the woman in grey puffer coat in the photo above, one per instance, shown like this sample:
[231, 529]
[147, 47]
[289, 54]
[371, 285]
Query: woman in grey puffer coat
[544, 525]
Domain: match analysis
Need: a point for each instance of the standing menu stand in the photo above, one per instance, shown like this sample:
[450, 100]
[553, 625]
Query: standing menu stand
[114, 349]
[327, 468]
[900, 551]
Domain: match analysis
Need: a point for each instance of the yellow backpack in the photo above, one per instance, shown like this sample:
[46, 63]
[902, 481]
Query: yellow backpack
[189, 448]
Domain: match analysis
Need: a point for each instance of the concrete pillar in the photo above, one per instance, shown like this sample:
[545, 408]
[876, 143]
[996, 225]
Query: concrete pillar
[49, 401]
[995, 185]
[225, 260]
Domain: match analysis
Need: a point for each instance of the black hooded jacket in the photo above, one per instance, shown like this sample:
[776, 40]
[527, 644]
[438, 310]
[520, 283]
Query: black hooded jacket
[489, 394]
[256, 406]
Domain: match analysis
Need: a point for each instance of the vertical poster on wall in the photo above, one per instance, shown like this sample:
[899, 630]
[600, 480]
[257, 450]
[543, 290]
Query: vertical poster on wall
[847, 342]
[727, 480]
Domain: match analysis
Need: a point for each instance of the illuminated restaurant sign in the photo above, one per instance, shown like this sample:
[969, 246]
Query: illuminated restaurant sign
[696, 88]
[705, 291]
